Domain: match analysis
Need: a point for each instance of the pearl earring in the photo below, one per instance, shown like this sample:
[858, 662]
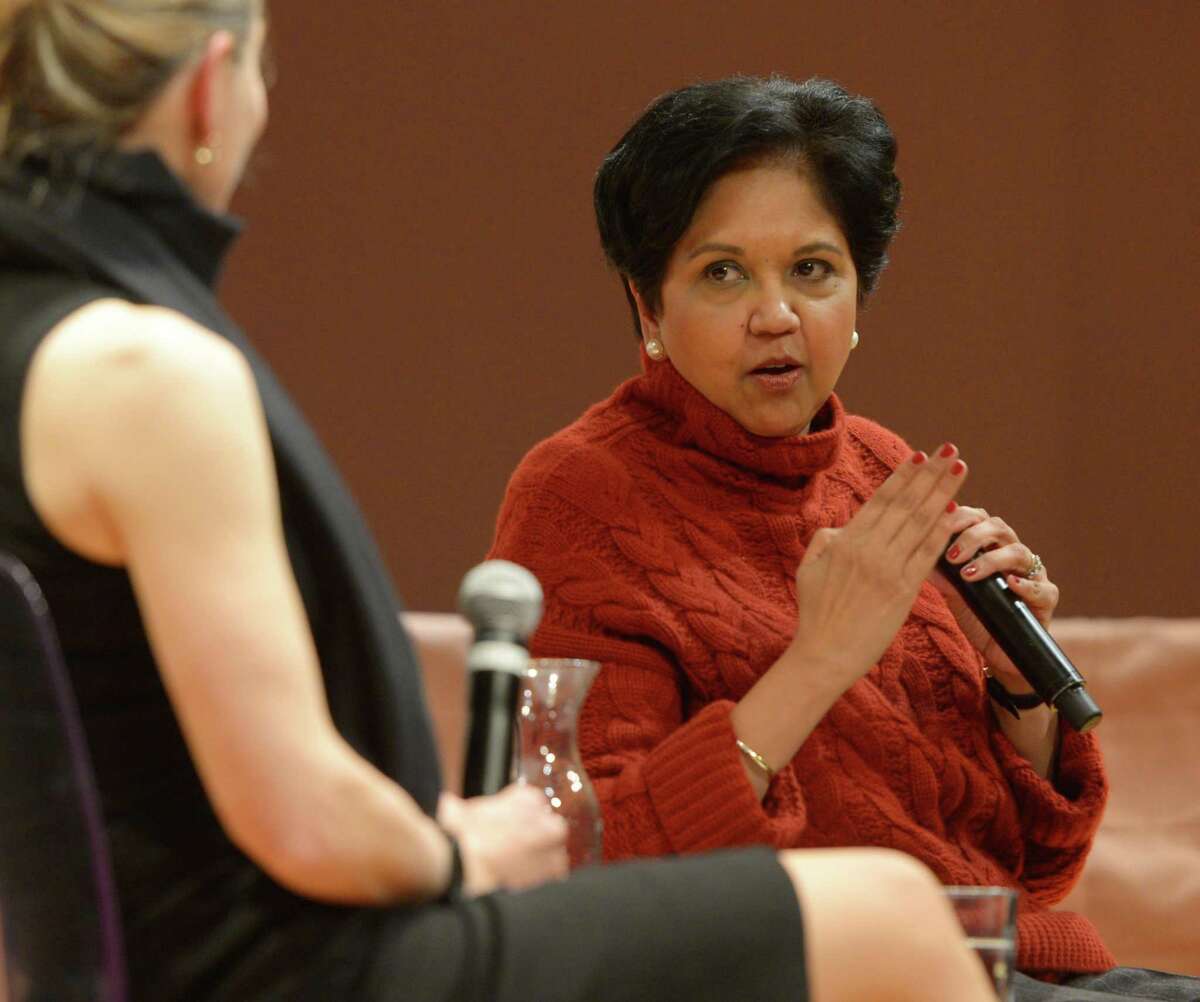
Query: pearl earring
[854, 339]
[204, 155]
[655, 350]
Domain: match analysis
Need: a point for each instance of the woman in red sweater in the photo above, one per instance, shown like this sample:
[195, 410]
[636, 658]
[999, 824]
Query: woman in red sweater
[780, 663]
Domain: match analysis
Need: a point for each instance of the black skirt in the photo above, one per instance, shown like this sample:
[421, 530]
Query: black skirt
[724, 926]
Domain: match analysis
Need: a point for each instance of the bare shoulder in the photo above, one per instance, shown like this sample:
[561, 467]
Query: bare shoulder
[120, 400]
[137, 347]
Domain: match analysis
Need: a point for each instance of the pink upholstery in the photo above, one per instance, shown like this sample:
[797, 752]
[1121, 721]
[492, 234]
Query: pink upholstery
[441, 640]
[1142, 883]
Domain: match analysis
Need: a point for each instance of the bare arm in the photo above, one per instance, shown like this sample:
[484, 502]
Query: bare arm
[145, 445]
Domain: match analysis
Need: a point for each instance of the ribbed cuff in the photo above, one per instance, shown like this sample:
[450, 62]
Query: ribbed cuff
[1060, 942]
[698, 786]
[1066, 813]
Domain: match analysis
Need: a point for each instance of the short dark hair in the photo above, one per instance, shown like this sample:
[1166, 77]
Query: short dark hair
[650, 184]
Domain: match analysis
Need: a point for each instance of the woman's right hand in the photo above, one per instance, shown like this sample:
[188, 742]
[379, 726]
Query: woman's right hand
[508, 841]
[856, 585]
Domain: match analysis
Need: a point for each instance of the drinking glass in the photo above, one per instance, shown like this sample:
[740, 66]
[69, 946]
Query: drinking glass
[546, 755]
[989, 917]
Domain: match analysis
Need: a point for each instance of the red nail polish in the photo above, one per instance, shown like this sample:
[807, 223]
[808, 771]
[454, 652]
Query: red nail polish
[952, 507]
[969, 571]
[954, 550]
[947, 450]
[959, 468]
[919, 458]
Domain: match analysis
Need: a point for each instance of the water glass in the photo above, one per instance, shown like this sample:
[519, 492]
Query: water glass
[989, 917]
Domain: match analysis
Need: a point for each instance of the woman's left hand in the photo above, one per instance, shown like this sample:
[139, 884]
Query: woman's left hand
[987, 545]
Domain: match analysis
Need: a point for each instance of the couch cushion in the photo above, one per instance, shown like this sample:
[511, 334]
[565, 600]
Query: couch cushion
[441, 640]
[1141, 885]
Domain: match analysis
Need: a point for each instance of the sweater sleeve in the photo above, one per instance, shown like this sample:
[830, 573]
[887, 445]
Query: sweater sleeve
[1058, 818]
[668, 780]
[665, 784]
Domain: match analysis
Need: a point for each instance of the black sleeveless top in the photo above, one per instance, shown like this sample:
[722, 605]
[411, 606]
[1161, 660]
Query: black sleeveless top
[201, 921]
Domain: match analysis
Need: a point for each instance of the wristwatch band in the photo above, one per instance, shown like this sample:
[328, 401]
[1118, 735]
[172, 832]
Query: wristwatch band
[453, 891]
[1011, 701]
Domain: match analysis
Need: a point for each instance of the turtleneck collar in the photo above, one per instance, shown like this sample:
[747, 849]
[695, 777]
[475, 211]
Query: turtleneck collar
[140, 184]
[694, 421]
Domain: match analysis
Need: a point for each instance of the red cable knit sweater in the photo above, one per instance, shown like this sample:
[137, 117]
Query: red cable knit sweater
[667, 538]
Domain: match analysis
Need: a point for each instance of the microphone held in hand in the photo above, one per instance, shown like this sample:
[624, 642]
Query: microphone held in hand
[503, 602]
[1040, 660]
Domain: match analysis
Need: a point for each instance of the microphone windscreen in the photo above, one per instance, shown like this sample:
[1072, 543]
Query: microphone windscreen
[501, 599]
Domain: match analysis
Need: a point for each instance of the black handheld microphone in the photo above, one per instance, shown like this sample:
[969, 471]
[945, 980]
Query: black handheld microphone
[503, 602]
[1026, 642]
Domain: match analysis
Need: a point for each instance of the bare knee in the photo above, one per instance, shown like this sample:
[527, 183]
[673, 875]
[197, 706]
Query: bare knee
[890, 890]
[877, 925]
[895, 870]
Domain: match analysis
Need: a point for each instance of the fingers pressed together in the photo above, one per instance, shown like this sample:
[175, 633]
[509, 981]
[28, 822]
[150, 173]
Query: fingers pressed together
[911, 510]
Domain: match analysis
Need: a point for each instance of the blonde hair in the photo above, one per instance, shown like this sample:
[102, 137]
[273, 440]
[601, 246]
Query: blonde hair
[77, 73]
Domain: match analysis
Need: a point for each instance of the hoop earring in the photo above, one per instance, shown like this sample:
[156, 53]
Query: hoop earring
[655, 350]
[854, 339]
[204, 155]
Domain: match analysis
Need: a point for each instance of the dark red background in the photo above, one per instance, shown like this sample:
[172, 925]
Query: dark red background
[423, 270]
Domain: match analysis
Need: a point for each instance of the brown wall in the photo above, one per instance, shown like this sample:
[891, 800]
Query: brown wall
[423, 270]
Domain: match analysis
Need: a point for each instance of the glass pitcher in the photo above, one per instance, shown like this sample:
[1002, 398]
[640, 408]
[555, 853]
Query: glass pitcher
[547, 755]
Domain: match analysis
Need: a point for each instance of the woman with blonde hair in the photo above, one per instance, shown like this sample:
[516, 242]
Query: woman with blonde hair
[269, 784]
